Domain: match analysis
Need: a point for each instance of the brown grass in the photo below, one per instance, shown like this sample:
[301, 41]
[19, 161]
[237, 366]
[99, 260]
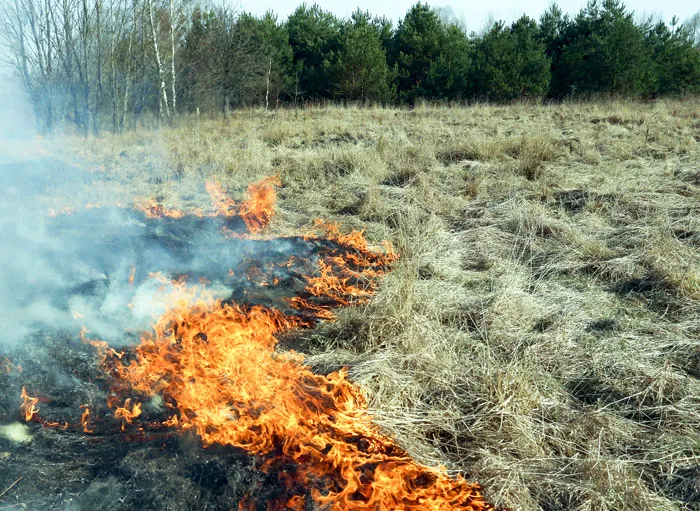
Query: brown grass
[540, 332]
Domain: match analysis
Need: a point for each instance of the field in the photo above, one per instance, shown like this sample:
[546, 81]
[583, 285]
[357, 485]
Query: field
[540, 331]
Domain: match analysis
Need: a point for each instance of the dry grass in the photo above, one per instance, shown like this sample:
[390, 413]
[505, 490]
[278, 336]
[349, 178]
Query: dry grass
[540, 332]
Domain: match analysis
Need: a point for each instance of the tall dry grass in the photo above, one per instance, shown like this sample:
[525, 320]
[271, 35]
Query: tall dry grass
[540, 332]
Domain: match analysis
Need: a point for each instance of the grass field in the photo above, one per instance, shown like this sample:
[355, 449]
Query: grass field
[541, 331]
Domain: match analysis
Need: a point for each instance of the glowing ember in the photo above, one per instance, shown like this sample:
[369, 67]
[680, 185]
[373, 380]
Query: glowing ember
[152, 209]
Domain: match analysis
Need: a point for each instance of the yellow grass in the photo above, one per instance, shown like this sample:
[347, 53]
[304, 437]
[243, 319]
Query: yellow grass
[541, 331]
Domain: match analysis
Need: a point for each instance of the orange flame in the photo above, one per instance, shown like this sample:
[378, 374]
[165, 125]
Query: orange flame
[132, 273]
[128, 412]
[258, 208]
[6, 365]
[29, 406]
[217, 368]
[102, 348]
[216, 364]
[223, 205]
[85, 419]
[153, 209]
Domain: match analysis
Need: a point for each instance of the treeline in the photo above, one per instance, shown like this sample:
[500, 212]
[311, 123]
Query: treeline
[108, 63]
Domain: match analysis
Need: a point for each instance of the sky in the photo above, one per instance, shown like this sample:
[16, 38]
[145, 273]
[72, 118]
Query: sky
[474, 13]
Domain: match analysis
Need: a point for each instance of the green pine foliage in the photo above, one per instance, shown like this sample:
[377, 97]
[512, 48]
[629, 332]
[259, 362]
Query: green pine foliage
[222, 59]
[314, 35]
[362, 69]
[315, 56]
[415, 49]
[511, 63]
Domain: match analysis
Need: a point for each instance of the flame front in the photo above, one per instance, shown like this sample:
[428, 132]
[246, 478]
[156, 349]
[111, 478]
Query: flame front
[256, 210]
[215, 364]
[216, 367]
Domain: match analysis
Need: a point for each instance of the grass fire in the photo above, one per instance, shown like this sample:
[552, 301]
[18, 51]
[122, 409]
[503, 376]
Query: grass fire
[468, 308]
[214, 366]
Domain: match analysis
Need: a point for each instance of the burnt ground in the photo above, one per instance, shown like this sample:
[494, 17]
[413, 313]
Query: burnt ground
[67, 469]
[60, 467]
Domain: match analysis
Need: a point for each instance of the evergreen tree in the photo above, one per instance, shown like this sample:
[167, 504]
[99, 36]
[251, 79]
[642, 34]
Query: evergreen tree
[415, 47]
[362, 70]
[602, 51]
[432, 57]
[449, 73]
[314, 35]
[511, 63]
[273, 62]
[676, 62]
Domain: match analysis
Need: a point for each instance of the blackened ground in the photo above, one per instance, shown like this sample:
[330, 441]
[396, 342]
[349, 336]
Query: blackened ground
[64, 468]
[82, 263]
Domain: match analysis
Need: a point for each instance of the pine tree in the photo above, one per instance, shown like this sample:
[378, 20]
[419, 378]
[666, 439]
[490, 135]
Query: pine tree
[363, 73]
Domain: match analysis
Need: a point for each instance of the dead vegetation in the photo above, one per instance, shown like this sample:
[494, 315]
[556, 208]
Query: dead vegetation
[540, 332]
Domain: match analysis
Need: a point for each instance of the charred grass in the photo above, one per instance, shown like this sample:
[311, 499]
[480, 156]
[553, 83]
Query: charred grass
[540, 331]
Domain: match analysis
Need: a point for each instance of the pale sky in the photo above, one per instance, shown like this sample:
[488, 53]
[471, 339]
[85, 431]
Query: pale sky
[474, 13]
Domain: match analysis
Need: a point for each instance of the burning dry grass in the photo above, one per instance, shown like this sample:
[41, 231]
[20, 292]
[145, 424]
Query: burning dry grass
[540, 331]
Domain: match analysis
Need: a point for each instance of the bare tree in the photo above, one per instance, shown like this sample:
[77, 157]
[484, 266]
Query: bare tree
[692, 25]
[163, 103]
[172, 57]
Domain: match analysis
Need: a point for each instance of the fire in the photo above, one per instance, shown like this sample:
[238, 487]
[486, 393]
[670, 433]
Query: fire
[85, 419]
[132, 273]
[29, 405]
[258, 208]
[217, 368]
[153, 209]
[101, 347]
[222, 203]
[215, 364]
[128, 412]
[6, 365]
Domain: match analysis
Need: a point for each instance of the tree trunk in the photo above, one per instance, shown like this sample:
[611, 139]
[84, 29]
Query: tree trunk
[159, 63]
[98, 99]
[172, 57]
[127, 78]
[267, 85]
[83, 70]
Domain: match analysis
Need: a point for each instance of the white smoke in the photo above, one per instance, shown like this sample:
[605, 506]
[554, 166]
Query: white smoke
[46, 281]
[17, 129]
